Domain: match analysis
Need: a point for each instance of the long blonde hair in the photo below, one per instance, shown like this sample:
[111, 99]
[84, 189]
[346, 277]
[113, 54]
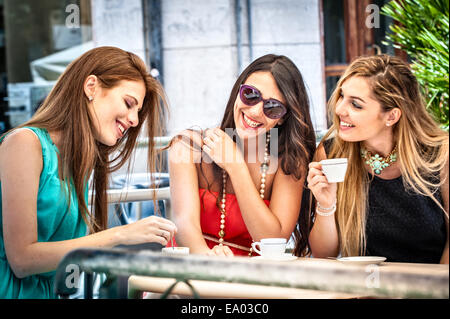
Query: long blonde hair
[422, 145]
[66, 110]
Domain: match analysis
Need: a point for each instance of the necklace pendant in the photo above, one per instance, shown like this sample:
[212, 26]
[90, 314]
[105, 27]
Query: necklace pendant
[376, 165]
[376, 162]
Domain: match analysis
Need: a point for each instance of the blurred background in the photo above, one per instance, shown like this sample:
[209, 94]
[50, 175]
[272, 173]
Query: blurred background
[197, 48]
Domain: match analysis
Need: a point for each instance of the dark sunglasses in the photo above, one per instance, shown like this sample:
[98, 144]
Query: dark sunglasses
[272, 108]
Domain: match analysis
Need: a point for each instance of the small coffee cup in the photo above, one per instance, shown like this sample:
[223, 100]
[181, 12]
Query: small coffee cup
[270, 247]
[334, 169]
[175, 251]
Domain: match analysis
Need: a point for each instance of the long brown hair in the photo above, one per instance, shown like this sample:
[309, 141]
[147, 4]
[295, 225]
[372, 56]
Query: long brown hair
[296, 136]
[66, 110]
[422, 145]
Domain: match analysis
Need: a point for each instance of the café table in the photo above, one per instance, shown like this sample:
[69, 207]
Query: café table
[243, 277]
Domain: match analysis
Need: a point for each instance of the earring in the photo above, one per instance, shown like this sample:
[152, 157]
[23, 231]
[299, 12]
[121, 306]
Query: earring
[90, 98]
[387, 124]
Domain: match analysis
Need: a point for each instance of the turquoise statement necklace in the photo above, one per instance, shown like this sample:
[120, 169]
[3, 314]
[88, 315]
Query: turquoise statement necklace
[376, 162]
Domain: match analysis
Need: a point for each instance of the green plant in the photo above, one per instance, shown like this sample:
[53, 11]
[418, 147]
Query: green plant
[422, 31]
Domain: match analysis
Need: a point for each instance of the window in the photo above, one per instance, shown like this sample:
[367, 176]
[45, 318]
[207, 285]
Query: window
[40, 39]
[351, 30]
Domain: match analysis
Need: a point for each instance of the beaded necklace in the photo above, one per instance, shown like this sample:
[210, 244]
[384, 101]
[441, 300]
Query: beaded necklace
[264, 168]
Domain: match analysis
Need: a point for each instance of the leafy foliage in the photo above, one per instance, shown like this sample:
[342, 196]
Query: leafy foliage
[422, 31]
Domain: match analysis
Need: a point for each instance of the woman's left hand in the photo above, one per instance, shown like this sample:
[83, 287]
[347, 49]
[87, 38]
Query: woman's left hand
[221, 148]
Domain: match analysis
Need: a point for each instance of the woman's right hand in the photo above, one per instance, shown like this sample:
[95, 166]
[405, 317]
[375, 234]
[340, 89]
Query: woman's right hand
[218, 250]
[150, 229]
[324, 192]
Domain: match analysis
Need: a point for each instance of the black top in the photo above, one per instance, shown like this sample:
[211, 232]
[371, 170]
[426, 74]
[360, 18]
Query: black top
[403, 226]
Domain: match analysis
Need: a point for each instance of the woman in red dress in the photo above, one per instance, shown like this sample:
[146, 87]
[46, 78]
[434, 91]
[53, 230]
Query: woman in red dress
[243, 181]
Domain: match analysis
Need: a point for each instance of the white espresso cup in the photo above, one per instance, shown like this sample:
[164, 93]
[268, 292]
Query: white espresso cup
[270, 247]
[175, 251]
[334, 169]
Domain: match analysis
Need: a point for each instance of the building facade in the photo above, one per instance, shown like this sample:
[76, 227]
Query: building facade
[196, 47]
[200, 47]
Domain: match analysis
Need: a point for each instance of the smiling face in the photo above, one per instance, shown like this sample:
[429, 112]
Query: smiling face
[250, 120]
[115, 110]
[360, 114]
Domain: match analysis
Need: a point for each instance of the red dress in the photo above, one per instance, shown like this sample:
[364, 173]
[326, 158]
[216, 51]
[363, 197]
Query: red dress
[235, 230]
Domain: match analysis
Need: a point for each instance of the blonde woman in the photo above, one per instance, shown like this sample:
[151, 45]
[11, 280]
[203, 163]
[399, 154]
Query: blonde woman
[95, 110]
[394, 200]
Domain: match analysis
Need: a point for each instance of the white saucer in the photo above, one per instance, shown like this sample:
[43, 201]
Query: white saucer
[285, 257]
[363, 260]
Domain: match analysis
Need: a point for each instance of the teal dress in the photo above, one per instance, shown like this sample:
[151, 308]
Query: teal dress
[55, 221]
